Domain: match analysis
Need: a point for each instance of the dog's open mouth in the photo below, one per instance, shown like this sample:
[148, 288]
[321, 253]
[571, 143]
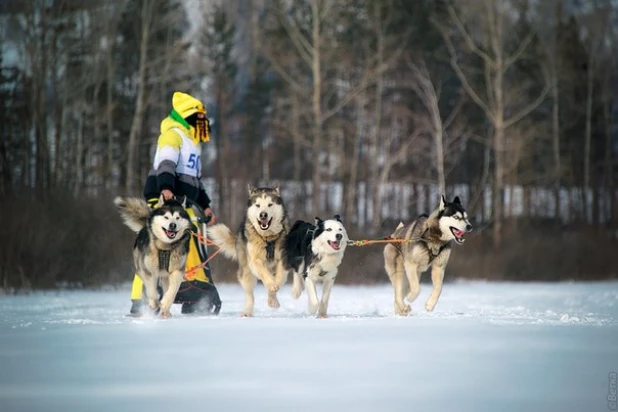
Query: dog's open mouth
[265, 223]
[171, 234]
[335, 244]
[459, 235]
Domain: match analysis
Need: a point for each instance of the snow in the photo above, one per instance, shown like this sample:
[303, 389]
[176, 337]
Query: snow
[486, 347]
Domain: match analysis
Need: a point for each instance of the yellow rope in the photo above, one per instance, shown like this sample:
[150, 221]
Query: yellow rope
[365, 242]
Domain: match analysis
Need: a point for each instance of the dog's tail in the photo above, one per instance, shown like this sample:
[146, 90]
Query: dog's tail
[135, 212]
[223, 237]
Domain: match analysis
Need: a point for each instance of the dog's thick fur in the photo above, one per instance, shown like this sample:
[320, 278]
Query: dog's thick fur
[161, 247]
[314, 252]
[427, 242]
[258, 245]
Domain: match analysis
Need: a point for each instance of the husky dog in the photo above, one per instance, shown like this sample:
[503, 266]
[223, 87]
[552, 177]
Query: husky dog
[426, 241]
[314, 252]
[161, 246]
[258, 244]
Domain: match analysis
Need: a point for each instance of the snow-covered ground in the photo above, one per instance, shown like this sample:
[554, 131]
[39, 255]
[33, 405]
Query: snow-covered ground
[487, 347]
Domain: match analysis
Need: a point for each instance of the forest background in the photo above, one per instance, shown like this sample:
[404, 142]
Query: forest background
[365, 108]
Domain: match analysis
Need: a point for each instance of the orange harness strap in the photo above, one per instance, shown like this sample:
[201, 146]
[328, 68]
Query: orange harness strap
[204, 241]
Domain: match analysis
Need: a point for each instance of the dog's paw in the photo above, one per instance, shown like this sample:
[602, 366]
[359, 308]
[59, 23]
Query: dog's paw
[154, 305]
[296, 292]
[273, 302]
[273, 287]
[312, 309]
[166, 307]
[246, 314]
[430, 306]
[166, 315]
[322, 315]
[402, 310]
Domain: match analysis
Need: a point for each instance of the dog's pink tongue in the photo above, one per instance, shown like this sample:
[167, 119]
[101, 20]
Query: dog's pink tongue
[459, 233]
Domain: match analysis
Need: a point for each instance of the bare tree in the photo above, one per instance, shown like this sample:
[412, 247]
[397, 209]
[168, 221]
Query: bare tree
[217, 42]
[548, 25]
[147, 14]
[424, 88]
[483, 26]
[594, 27]
[317, 52]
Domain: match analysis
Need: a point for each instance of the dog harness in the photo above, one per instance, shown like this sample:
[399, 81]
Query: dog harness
[165, 255]
[164, 260]
[432, 251]
[270, 250]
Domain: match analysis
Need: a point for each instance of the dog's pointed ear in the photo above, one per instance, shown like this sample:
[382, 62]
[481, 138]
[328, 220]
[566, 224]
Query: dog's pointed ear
[184, 202]
[457, 201]
[251, 189]
[399, 226]
[338, 218]
[276, 188]
[317, 221]
[161, 201]
[442, 202]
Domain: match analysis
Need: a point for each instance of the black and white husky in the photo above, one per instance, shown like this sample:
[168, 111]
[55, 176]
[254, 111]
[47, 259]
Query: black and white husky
[314, 252]
[424, 242]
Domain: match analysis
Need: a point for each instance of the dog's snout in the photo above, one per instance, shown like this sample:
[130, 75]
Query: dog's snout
[338, 236]
[172, 226]
[469, 227]
[263, 215]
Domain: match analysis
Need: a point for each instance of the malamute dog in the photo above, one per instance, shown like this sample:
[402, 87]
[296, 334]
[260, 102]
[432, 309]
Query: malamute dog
[258, 244]
[161, 246]
[314, 252]
[427, 242]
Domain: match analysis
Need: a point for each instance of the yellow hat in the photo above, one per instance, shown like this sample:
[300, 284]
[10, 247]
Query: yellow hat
[185, 104]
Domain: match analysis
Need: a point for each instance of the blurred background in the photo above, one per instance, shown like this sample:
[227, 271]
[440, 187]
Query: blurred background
[364, 108]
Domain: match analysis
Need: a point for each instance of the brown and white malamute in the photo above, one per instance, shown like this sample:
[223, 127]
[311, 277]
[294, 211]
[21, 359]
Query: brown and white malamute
[258, 244]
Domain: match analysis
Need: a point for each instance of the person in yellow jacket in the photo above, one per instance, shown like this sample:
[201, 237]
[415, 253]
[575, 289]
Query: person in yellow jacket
[177, 171]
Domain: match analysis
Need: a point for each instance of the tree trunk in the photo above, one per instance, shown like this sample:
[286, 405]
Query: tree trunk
[41, 150]
[131, 182]
[221, 146]
[556, 139]
[374, 168]
[351, 203]
[608, 160]
[297, 151]
[587, 137]
[109, 117]
[79, 157]
[317, 107]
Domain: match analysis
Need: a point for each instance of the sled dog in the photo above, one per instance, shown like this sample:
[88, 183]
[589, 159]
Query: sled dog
[426, 242]
[314, 252]
[258, 244]
[161, 247]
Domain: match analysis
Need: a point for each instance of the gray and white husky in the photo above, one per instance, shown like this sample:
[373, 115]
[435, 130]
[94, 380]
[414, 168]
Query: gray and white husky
[314, 252]
[426, 242]
[161, 247]
[257, 245]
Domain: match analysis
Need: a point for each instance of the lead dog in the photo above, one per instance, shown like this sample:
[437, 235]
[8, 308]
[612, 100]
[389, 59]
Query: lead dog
[161, 247]
[426, 242]
[314, 252]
